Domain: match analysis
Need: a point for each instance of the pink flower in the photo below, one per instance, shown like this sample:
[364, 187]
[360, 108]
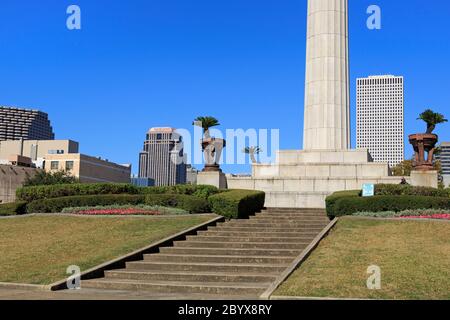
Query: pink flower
[445, 216]
[122, 211]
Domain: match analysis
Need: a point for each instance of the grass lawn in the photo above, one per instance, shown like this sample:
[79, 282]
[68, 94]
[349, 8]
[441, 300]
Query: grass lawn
[38, 249]
[414, 257]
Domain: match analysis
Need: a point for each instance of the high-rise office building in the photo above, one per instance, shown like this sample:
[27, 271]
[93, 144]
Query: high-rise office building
[444, 158]
[163, 158]
[380, 117]
[16, 124]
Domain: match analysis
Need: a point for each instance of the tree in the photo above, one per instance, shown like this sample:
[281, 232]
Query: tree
[252, 151]
[206, 123]
[432, 119]
[47, 178]
[404, 168]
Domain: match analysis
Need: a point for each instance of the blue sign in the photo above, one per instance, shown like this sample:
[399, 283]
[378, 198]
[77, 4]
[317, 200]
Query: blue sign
[368, 190]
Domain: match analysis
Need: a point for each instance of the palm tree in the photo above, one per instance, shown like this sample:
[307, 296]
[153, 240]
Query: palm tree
[206, 123]
[252, 151]
[432, 119]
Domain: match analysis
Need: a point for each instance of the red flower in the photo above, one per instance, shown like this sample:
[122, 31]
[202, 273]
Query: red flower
[122, 211]
[445, 216]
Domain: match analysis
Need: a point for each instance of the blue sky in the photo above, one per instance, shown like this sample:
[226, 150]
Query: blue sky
[142, 63]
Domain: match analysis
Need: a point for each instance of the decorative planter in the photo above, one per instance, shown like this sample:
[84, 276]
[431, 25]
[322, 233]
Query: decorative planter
[212, 151]
[424, 145]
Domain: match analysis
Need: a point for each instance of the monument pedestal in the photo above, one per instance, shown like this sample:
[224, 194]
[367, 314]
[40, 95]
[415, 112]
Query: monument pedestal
[304, 178]
[424, 178]
[212, 178]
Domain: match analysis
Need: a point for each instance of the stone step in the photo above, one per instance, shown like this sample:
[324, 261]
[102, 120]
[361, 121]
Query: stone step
[243, 238]
[217, 259]
[282, 209]
[231, 251]
[259, 224]
[290, 214]
[178, 287]
[187, 276]
[289, 219]
[268, 234]
[251, 229]
[243, 245]
[195, 267]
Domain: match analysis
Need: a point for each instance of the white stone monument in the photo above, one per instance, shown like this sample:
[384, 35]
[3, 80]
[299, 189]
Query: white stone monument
[303, 178]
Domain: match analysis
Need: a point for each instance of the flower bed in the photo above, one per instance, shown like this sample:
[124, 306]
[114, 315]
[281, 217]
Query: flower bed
[443, 216]
[124, 210]
[411, 214]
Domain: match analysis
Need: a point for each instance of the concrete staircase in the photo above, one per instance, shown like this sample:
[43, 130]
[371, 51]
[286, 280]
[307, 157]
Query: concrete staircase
[238, 258]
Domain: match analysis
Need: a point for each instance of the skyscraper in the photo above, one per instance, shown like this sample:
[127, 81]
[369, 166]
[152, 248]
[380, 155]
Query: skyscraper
[16, 124]
[379, 117]
[444, 157]
[163, 158]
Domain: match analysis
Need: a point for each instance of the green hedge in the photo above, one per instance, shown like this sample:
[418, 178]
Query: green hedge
[77, 189]
[408, 190]
[83, 189]
[332, 199]
[10, 209]
[349, 205]
[200, 191]
[180, 201]
[237, 203]
[56, 205]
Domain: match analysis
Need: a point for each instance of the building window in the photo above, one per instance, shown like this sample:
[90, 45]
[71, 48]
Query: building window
[69, 165]
[55, 152]
[54, 165]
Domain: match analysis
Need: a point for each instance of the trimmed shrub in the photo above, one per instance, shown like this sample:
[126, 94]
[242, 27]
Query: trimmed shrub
[236, 204]
[200, 191]
[56, 205]
[349, 205]
[11, 209]
[408, 190]
[77, 189]
[331, 200]
[181, 201]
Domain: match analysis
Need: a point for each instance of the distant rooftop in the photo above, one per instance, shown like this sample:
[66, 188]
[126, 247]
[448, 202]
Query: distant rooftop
[162, 129]
[384, 76]
[20, 109]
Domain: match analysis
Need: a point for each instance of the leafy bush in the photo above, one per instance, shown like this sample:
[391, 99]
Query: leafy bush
[49, 178]
[237, 203]
[10, 209]
[331, 200]
[58, 204]
[181, 201]
[408, 190]
[349, 205]
[77, 189]
[201, 191]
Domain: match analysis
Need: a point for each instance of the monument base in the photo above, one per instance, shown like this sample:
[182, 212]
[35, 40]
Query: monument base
[212, 178]
[304, 178]
[424, 178]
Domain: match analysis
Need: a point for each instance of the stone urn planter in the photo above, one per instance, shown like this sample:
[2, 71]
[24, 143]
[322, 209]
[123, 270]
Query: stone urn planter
[424, 145]
[212, 151]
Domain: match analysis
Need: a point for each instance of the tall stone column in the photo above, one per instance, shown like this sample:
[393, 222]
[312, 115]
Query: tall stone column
[327, 106]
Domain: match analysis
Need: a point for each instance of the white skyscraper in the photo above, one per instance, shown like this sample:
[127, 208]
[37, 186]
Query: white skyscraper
[380, 115]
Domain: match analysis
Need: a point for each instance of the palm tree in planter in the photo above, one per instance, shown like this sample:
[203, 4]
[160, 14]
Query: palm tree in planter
[206, 123]
[426, 142]
[252, 151]
[211, 147]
